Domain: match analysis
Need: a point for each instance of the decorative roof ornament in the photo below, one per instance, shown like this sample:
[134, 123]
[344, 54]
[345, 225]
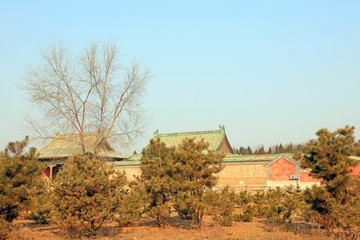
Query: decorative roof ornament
[156, 132]
[222, 127]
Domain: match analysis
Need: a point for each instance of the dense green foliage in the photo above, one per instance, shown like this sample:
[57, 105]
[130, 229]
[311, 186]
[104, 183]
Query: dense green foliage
[244, 201]
[86, 193]
[19, 176]
[278, 206]
[222, 205]
[4, 228]
[194, 172]
[337, 199]
[184, 173]
[156, 166]
[39, 204]
[281, 204]
[130, 206]
[328, 158]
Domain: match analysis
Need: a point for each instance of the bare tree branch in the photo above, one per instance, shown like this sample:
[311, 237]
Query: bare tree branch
[95, 92]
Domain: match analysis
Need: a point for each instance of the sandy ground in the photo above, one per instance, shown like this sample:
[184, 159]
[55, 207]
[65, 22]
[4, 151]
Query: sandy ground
[176, 229]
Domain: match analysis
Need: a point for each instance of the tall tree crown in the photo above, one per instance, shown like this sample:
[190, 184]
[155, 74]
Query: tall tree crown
[93, 91]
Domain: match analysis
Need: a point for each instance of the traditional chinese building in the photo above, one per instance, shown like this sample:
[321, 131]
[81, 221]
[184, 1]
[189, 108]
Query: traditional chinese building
[249, 172]
[61, 147]
[218, 142]
[258, 172]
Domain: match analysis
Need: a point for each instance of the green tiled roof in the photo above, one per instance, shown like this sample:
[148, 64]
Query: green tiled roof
[135, 157]
[231, 158]
[62, 146]
[250, 158]
[214, 138]
[357, 158]
[111, 154]
[125, 163]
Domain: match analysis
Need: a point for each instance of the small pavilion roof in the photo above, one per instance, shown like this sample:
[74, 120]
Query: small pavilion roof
[63, 146]
[214, 137]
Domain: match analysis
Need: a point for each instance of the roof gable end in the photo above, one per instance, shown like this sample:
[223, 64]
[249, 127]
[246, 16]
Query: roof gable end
[284, 156]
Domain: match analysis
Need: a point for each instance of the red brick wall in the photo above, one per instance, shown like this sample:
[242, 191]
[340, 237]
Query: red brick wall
[46, 172]
[305, 177]
[356, 170]
[281, 170]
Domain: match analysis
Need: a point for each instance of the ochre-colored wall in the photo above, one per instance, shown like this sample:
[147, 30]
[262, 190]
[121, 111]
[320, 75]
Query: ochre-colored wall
[252, 175]
[281, 170]
[233, 174]
[243, 174]
[130, 171]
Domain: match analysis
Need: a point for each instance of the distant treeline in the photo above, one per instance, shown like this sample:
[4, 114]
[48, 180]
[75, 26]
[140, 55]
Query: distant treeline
[275, 149]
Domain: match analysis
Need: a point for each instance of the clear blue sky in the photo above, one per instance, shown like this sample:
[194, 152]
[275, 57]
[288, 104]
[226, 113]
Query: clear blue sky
[270, 71]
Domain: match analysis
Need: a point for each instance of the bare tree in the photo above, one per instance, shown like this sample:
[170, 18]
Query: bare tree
[95, 91]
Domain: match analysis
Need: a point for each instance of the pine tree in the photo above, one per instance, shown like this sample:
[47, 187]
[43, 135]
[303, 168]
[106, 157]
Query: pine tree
[337, 199]
[289, 148]
[328, 157]
[130, 205]
[39, 205]
[242, 151]
[86, 193]
[236, 151]
[261, 151]
[249, 151]
[281, 148]
[223, 205]
[297, 155]
[194, 171]
[19, 175]
[156, 165]
[276, 149]
[280, 204]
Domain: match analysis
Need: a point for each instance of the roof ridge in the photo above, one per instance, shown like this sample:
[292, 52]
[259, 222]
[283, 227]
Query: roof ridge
[258, 155]
[211, 136]
[187, 133]
[286, 157]
[73, 134]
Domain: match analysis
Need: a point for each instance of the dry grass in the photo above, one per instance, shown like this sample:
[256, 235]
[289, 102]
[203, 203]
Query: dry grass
[176, 229]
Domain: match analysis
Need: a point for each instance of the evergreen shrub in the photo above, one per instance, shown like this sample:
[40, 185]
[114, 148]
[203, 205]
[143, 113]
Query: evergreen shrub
[85, 194]
[130, 206]
[222, 205]
[19, 175]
